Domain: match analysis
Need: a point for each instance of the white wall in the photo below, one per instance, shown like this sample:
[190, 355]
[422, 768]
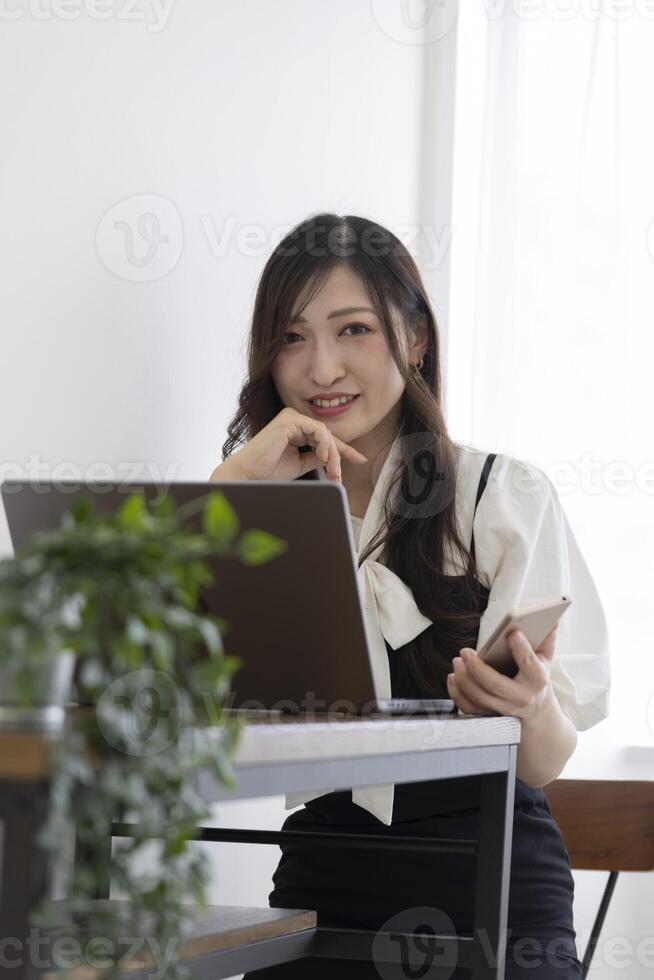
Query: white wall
[235, 116]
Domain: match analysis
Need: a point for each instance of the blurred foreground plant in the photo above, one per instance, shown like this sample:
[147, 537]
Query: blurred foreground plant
[121, 594]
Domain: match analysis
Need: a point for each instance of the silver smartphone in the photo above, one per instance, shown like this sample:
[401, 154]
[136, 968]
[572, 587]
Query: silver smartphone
[535, 620]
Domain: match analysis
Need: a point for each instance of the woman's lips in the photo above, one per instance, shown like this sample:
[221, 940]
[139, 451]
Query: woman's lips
[336, 410]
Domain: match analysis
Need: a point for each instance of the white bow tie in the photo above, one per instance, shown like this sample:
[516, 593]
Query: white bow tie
[391, 614]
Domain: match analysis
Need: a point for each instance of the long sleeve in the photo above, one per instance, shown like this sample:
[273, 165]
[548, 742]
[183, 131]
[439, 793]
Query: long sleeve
[526, 551]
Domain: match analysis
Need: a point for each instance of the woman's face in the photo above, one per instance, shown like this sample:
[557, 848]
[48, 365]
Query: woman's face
[333, 352]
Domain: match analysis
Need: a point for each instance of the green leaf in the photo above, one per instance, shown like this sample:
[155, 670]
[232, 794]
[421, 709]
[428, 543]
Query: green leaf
[211, 635]
[256, 547]
[223, 624]
[163, 649]
[163, 506]
[137, 631]
[179, 618]
[133, 512]
[177, 845]
[83, 510]
[232, 663]
[209, 672]
[219, 519]
[125, 653]
[202, 573]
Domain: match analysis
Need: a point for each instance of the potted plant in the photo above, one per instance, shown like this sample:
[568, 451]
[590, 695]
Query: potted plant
[121, 595]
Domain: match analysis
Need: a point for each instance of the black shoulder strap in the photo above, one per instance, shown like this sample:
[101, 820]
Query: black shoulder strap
[480, 489]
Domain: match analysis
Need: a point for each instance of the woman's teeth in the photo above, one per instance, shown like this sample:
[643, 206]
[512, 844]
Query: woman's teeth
[321, 403]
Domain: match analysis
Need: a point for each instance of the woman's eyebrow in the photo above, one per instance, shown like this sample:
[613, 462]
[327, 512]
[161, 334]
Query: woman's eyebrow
[344, 312]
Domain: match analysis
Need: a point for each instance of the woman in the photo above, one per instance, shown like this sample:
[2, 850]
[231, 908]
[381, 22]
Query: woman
[341, 311]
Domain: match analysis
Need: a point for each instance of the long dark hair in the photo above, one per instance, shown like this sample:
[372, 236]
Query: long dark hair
[418, 526]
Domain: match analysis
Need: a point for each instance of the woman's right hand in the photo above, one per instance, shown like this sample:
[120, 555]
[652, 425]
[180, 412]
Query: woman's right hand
[273, 454]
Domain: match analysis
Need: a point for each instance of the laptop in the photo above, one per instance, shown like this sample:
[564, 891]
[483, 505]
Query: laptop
[296, 621]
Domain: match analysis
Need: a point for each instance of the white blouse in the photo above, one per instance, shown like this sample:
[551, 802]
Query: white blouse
[525, 551]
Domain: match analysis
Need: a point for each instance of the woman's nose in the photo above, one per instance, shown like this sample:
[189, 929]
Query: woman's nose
[326, 365]
[325, 374]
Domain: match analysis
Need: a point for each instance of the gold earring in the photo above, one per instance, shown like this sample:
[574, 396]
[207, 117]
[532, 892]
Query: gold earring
[417, 367]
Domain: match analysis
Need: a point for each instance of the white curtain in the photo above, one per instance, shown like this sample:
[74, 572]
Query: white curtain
[550, 327]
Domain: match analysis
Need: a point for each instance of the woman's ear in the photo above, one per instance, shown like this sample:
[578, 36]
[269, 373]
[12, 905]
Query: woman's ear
[419, 340]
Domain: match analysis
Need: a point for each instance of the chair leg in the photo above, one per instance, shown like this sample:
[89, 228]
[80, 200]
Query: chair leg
[599, 921]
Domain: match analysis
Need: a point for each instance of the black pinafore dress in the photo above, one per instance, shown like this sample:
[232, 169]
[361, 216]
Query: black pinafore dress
[361, 889]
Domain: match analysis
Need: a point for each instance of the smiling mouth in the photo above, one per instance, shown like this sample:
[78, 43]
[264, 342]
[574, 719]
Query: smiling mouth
[332, 402]
[333, 410]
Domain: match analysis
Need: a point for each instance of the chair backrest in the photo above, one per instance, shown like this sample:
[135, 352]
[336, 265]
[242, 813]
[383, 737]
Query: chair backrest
[607, 825]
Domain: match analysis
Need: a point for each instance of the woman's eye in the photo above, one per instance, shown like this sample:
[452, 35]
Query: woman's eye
[362, 325]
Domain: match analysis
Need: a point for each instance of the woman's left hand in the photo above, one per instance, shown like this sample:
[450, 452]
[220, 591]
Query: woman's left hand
[477, 688]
